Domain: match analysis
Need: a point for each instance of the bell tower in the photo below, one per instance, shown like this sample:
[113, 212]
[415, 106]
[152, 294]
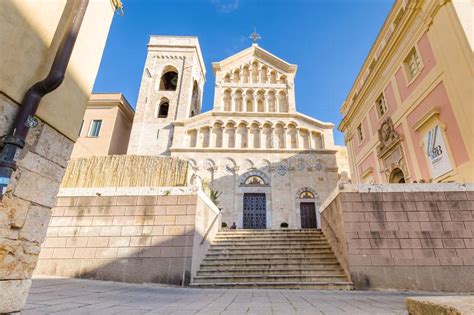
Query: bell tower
[170, 91]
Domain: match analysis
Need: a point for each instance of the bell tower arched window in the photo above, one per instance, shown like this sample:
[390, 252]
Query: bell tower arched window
[169, 80]
[195, 100]
[163, 109]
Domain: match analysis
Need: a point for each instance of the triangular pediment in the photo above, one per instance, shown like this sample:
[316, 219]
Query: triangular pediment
[251, 53]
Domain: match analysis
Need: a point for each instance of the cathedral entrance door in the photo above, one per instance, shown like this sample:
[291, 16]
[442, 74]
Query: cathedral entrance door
[308, 215]
[255, 211]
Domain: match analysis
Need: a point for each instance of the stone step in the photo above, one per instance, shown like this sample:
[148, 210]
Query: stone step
[269, 231]
[269, 278]
[276, 260]
[308, 256]
[253, 271]
[291, 259]
[211, 265]
[271, 237]
[264, 243]
[255, 251]
[269, 247]
[342, 285]
[245, 234]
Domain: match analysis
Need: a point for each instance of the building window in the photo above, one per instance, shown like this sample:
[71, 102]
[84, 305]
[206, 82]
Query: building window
[80, 128]
[412, 64]
[360, 133]
[381, 105]
[169, 81]
[163, 109]
[95, 128]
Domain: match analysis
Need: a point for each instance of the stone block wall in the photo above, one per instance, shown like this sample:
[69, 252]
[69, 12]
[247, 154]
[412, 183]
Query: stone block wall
[138, 239]
[421, 239]
[25, 208]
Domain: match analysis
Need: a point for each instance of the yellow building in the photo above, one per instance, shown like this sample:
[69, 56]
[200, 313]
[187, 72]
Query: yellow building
[408, 116]
[30, 37]
[106, 126]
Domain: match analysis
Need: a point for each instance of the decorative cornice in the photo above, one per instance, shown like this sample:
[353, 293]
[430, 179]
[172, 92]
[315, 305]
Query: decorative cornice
[250, 150]
[252, 116]
[432, 113]
[111, 100]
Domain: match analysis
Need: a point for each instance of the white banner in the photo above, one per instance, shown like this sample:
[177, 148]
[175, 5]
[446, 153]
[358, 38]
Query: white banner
[437, 153]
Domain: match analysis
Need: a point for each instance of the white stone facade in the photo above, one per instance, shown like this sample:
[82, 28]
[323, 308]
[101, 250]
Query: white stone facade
[253, 130]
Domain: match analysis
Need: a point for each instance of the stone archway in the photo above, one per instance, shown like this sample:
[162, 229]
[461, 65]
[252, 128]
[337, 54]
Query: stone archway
[307, 204]
[397, 176]
[254, 204]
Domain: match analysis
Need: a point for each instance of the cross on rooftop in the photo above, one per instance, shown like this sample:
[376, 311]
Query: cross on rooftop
[255, 36]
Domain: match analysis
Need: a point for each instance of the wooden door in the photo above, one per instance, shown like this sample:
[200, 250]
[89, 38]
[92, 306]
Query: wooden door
[308, 215]
[255, 211]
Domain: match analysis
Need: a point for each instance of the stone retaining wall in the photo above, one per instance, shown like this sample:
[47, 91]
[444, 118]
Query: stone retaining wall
[417, 240]
[138, 239]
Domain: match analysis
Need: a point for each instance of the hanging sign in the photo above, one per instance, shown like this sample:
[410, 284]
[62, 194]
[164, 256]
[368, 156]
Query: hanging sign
[437, 153]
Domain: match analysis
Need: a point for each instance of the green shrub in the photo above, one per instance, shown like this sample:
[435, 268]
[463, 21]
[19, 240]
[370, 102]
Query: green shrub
[284, 225]
[224, 225]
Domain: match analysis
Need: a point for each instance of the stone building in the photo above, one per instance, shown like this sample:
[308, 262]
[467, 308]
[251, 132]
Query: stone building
[272, 164]
[408, 115]
[31, 33]
[106, 126]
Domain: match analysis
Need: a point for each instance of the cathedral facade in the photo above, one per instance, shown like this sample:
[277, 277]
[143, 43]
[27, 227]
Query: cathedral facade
[265, 163]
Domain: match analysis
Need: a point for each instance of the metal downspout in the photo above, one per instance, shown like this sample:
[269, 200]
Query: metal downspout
[14, 142]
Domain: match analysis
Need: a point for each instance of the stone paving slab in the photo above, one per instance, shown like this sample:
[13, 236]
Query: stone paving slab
[53, 295]
[428, 305]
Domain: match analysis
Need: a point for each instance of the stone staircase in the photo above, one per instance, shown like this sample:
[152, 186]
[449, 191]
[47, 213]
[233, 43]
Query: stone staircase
[291, 259]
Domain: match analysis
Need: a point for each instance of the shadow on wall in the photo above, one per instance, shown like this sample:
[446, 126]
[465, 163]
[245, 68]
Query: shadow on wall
[162, 262]
[21, 68]
[30, 36]
[282, 183]
[138, 239]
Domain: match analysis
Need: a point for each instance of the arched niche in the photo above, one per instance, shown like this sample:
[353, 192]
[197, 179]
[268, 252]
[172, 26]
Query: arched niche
[307, 208]
[163, 108]
[246, 178]
[195, 100]
[169, 79]
[227, 101]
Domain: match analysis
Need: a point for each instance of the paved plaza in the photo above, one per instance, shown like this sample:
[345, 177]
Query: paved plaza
[77, 296]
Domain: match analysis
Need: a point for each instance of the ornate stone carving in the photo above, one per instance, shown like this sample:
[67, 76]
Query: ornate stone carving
[388, 137]
[282, 169]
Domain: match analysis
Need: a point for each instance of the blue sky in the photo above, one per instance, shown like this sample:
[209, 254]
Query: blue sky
[327, 39]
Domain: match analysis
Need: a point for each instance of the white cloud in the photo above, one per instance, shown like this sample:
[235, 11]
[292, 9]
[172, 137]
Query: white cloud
[226, 6]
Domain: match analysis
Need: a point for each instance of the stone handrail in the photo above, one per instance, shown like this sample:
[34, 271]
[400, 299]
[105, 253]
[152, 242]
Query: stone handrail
[209, 228]
[207, 225]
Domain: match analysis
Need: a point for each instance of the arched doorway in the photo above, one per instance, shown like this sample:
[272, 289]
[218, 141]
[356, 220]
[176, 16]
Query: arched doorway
[306, 200]
[397, 176]
[255, 186]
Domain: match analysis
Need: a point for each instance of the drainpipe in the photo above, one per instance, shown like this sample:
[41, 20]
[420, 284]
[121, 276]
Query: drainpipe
[14, 142]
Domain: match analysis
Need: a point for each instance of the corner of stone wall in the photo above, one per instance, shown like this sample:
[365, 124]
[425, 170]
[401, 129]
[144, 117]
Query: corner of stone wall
[332, 226]
[26, 205]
